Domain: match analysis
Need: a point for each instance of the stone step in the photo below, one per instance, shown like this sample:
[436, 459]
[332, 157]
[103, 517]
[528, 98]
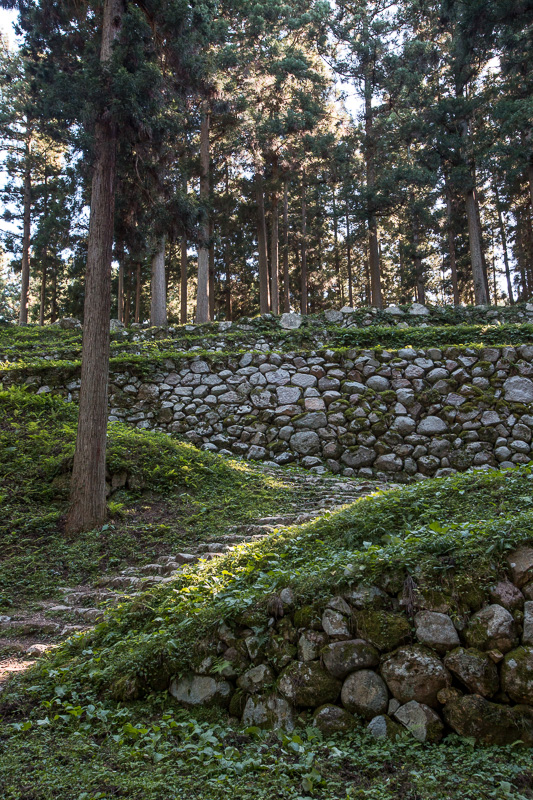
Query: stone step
[30, 626]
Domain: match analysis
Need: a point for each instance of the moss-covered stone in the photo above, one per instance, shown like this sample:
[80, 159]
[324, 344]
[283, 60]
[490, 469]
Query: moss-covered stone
[489, 723]
[308, 617]
[307, 685]
[386, 630]
[517, 675]
[333, 719]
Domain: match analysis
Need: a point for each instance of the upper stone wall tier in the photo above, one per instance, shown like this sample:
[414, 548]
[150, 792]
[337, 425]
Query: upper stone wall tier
[406, 413]
[415, 325]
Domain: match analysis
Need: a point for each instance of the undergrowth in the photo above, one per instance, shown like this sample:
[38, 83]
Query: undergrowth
[187, 495]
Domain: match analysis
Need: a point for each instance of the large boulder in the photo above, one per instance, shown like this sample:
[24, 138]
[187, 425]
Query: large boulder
[69, 324]
[517, 675]
[256, 679]
[492, 628]
[383, 727]
[518, 390]
[271, 711]
[310, 644]
[489, 723]
[506, 594]
[474, 669]
[527, 636]
[306, 443]
[414, 673]
[418, 310]
[421, 721]
[201, 690]
[341, 658]
[333, 719]
[361, 457]
[431, 426]
[365, 693]
[306, 684]
[290, 321]
[521, 565]
[436, 631]
[384, 629]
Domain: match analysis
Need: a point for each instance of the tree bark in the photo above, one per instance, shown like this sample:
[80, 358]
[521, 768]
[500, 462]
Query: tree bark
[373, 248]
[183, 279]
[303, 273]
[503, 237]
[349, 259]
[264, 284]
[479, 273]
[336, 258]
[202, 296]
[120, 287]
[158, 293]
[274, 241]
[26, 233]
[286, 286]
[227, 254]
[127, 297]
[451, 242]
[88, 493]
[138, 290]
[211, 272]
[42, 303]
[419, 270]
[53, 303]
[43, 295]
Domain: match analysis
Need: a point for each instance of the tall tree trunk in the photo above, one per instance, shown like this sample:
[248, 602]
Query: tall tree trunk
[42, 303]
[477, 260]
[303, 273]
[53, 302]
[274, 240]
[475, 239]
[211, 272]
[127, 296]
[419, 270]
[26, 232]
[373, 248]
[138, 290]
[286, 286]
[503, 238]
[368, 285]
[88, 493]
[120, 287]
[349, 258]
[202, 297]
[183, 279]
[451, 242]
[264, 284]
[227, 254]
[158, 288]
[336, 255]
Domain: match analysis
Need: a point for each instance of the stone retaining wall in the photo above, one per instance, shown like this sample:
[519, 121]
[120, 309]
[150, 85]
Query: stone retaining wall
[460, 664]
[398, 413]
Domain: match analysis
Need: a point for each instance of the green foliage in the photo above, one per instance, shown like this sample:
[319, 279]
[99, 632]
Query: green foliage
[76, 746]
[187, 494]
[441, 533]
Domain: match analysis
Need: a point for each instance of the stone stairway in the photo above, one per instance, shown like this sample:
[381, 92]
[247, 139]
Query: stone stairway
[26, 634]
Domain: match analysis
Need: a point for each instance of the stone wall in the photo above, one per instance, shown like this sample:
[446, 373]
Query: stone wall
[367, 412]
[451, 663]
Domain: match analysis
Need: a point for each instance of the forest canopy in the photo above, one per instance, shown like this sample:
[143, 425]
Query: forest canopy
[270, 156]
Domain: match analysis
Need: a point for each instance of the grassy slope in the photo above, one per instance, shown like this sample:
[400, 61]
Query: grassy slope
[64, 737]
[188, 496]
[45, 348]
